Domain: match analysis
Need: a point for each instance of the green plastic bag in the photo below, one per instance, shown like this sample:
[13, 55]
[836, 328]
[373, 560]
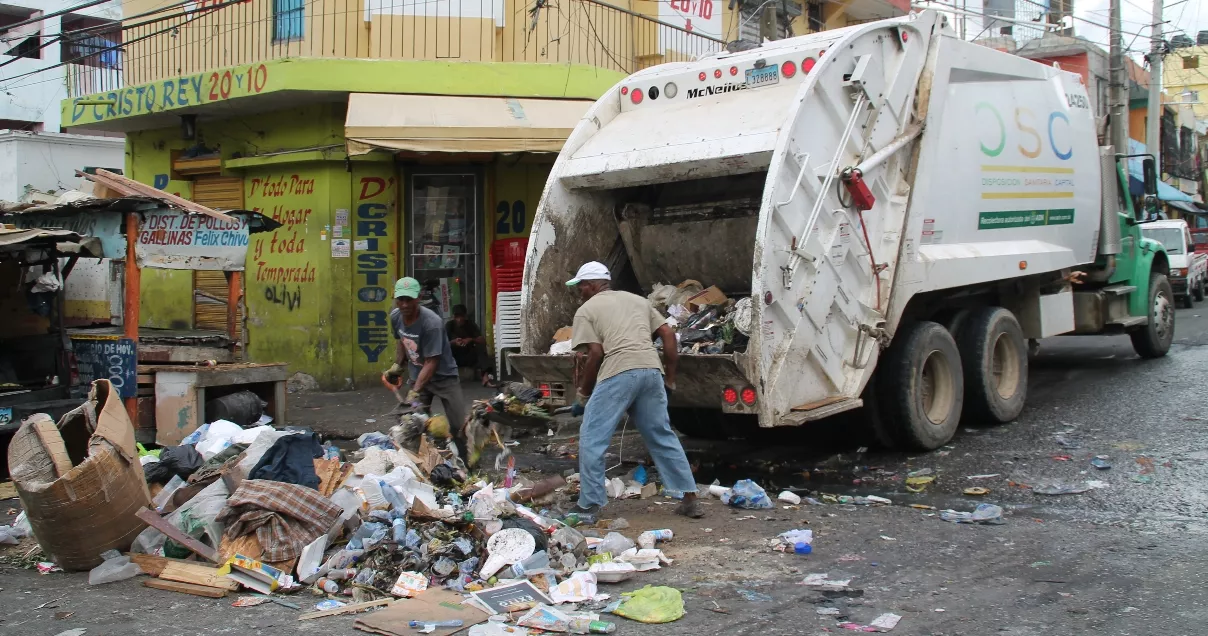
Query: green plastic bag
[652, 605]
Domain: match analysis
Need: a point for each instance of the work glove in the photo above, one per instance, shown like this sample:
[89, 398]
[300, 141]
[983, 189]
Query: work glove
[394, 373]
[413, 398]
[577, 409]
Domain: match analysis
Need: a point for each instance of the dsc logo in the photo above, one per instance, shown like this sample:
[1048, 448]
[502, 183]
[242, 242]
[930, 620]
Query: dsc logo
[1026, 137]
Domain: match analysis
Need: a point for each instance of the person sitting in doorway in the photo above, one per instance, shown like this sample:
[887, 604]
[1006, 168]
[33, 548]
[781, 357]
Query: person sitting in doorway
[469, 345]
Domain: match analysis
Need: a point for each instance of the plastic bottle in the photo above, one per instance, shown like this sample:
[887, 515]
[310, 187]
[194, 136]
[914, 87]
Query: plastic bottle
[585, 626]
[803, 548]
[399, 528]
[327, 585]
[342, 574]
[649, 538]
[434, 624]
[539, 561]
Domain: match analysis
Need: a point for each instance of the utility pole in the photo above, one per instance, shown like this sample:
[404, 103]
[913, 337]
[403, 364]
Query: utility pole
[1153, 120]
[1117, 83]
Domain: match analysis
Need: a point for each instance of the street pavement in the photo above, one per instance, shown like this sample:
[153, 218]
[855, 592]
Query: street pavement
[1125, 558]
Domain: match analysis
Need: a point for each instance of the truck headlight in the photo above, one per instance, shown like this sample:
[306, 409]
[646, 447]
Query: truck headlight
[1178, 271]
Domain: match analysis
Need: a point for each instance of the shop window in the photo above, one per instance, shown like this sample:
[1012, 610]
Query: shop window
[287, 20]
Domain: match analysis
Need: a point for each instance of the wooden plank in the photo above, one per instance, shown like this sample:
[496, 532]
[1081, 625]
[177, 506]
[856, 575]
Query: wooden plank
[185, 588]
[157, 353]
[247, 545]
[197, 574]
[348, 609]
[152, 564]
[153, 519]
[130, 186]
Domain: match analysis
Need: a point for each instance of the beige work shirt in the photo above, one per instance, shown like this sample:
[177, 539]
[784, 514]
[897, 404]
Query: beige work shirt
[623, 324]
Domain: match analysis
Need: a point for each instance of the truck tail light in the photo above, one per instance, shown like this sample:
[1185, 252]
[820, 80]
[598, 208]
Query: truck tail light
[545, 391]
[729, 396]
[807, 64]
[788, 69]
[635, 96]
[749, 396]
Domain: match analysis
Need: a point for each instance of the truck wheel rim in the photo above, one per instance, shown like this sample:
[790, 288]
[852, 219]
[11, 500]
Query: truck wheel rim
[939, 391]
[1004, 362]
[1163, 316]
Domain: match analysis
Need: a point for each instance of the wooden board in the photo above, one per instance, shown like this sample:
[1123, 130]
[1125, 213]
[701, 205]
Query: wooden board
[197, 574]
[247, 545]
[152, 564]
[152, 518]
[185, 588]
[355, 607]
[332, 474]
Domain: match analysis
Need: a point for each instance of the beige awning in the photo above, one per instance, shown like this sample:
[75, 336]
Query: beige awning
[434, 123]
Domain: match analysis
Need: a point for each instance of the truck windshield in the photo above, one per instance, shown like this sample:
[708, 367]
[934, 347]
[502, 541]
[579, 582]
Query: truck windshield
[1170, 238]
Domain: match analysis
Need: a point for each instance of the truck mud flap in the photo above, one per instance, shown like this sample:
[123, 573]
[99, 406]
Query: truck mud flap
[699, 382]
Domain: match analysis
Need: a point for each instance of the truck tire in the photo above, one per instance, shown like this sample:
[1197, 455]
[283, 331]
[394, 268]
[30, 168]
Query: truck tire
[994, 356]
[1198, 290]
[921, 386]
[1187, 302]
[875, 427]
[1153, 340]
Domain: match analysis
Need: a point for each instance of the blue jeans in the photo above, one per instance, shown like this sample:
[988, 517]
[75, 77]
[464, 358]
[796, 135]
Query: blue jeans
[641, 393]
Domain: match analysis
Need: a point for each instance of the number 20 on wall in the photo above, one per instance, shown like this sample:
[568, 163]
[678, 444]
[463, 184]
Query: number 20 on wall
[511, 219]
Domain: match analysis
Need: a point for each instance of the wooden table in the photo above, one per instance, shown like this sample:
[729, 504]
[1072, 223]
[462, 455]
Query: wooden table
[181, 392]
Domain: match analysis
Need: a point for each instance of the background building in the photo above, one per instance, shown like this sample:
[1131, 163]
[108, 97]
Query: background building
[390, 137]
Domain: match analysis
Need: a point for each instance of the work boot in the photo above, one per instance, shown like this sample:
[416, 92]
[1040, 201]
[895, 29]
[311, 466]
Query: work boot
[690, 507]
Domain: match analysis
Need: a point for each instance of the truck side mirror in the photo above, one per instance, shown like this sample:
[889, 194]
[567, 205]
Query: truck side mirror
[1150, 170]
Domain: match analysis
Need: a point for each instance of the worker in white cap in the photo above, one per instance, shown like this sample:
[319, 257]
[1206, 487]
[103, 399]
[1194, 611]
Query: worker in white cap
[623, 373]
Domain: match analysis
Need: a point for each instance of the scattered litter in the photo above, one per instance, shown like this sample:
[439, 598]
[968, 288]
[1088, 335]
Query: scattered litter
[798, 541]
[922, 472]
[922, 507]
[1096, 484]
[1041, 564]
[1102, 462]
[652, 605]
[882, 623]
[919, 483]
[1062, 458]
[987, 476]
[73, 632]
[250, 601]
[828, 611]
[506, 599]
[823, 581]
[1146, 465]
[789, 498]
[985, 514]
[581, 586]
[747, 494]
[1053, 487]
[977, 491]
[755, 597]
[887, 538]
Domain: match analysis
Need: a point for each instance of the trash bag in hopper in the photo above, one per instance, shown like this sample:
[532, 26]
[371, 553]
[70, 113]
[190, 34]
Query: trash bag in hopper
[80, 481]
[652, 605]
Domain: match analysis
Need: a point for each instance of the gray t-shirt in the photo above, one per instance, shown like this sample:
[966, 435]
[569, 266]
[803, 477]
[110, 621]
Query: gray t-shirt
[425, 338]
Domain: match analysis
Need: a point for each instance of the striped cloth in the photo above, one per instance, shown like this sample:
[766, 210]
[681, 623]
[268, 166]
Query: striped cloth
[285, 517]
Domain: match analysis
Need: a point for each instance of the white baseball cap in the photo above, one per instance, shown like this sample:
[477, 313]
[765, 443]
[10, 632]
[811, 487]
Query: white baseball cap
[590, 271]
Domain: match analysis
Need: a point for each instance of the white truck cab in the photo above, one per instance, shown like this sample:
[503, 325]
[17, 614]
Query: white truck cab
[1188, 269]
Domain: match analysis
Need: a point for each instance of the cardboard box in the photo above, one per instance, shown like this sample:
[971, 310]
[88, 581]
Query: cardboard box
[563, 334]
[253, 574]
[711, 296]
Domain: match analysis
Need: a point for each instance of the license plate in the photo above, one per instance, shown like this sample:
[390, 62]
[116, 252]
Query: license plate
[757, 77]
[6, 415]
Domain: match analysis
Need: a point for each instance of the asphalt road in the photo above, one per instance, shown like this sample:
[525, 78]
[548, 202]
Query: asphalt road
[1125, 558]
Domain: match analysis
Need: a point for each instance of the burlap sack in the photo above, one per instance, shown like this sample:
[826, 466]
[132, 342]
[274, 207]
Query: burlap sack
[80, 482]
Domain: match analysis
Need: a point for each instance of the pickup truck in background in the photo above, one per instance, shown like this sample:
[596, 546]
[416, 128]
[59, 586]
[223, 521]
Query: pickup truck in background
[1188, 265]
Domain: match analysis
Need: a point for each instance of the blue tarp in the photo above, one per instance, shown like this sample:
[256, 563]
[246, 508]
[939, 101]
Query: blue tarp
[1136, 177]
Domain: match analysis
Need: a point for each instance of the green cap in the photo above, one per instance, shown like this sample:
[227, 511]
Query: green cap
[408, 287]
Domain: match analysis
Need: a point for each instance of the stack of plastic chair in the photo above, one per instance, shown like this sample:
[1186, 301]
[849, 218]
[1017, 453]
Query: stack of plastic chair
[507, 274]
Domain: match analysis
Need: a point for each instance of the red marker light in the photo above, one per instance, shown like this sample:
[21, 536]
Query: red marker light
[807, 64]
[717, 73]
[748, 396]
[733, 70]
[788, 69]
[822, 52]
[729, 396]
[702, 76]
[545, 390]
[624, 90]
[905, 36]
[636, 96]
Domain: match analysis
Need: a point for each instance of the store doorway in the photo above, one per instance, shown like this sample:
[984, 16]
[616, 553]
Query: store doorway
[443, 239]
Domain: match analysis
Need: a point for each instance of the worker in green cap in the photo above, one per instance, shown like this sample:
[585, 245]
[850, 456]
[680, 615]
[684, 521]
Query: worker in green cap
[424, 347]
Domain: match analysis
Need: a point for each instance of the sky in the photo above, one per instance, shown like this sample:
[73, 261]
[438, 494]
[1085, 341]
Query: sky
[1091, 20]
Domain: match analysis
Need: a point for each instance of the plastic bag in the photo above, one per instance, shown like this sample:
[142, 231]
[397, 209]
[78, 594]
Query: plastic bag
[180, 461]
[614, 543]
[652, 605]
[747, 494]
[115, 568]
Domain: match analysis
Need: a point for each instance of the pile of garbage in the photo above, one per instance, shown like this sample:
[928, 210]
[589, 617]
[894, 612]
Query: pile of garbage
[704, 320]
[299, 522]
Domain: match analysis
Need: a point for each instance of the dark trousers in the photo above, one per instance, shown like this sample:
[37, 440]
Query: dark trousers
[473, 356]
[448, 389]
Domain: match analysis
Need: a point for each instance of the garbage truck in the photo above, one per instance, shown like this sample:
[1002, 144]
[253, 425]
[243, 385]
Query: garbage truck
[895, 217]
